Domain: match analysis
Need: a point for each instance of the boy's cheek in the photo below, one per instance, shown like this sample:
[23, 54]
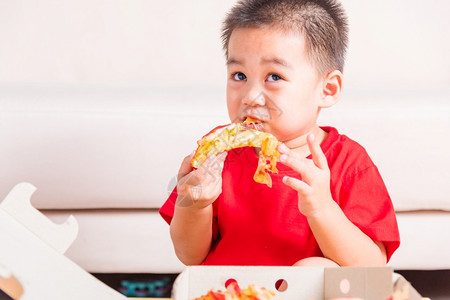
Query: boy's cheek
[233, 106]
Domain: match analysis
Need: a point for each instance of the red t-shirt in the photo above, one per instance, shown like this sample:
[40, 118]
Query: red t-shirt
[258, 225]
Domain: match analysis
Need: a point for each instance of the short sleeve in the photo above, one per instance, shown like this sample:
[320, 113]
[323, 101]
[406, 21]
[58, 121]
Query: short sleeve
[167, 209]
[367, 204]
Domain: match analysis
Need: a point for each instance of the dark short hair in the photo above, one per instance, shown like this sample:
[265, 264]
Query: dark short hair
[322, 22]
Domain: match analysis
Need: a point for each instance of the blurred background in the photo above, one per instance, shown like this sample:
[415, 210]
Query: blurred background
[393, 44]
[128, 58]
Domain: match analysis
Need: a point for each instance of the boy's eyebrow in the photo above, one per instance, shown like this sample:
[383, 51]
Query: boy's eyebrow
[277, 61]
[233, 61]
[273, 60]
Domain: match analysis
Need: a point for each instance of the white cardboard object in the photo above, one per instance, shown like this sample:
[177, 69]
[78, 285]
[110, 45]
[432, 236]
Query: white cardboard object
[32, 263]
[32, 266]
[302, 282]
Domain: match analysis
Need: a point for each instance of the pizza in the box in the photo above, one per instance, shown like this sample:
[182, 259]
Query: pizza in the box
[239, 135]
[234, 292]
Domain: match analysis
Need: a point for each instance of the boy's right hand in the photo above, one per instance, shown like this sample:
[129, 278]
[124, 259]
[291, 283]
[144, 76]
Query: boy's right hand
[198, 188]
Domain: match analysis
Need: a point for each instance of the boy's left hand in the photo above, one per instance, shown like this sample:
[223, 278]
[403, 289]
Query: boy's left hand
[313, 189]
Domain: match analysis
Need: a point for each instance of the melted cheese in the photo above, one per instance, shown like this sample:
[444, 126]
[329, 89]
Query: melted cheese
[235, 136]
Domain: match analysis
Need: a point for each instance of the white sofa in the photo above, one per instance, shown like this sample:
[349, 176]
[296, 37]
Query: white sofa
[109, 156]
[101, 100]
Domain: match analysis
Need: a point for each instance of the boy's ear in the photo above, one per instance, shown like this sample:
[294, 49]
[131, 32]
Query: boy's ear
[331, 89]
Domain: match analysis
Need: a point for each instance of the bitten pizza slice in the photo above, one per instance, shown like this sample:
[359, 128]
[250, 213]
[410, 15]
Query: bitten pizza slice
[239, 135]
[234, 292]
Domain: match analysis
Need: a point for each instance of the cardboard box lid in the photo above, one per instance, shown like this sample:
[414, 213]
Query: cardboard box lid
[302, 282]
[365, 283]
[32, 264]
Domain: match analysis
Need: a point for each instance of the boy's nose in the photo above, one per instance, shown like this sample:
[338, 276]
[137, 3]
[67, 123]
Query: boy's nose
[254, 97]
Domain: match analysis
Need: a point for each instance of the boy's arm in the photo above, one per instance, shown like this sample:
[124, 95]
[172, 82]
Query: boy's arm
[191, 225]
[342, 241]
[338, 238]
[191, 233]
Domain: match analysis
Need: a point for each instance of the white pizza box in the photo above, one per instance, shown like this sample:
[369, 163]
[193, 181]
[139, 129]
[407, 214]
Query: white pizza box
[33, 266]
[32, 261]
[377, 283]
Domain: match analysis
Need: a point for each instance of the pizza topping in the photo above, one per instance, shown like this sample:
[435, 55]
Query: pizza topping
[234, 292]
[238, 135]
[252, 123]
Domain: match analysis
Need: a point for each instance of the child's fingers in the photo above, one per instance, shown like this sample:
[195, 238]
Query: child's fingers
[185, 167]
[292, 160]
[283, 149]
[306, 167]
[211, 169]
[203, 185]
[317, 154]
[295, 163]
[296, 184]
[208, 178]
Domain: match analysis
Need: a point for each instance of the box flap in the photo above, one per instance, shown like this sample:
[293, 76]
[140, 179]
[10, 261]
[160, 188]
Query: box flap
[367, 283]
[302, 282]
[404, 290]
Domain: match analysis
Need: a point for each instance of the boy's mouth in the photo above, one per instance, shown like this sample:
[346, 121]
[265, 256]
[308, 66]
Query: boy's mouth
[253, 123]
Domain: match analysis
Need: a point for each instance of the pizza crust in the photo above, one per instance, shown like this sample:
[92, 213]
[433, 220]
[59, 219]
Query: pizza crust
[239, 135]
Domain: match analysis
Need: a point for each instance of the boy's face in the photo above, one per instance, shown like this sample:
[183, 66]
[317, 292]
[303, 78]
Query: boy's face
[271, 79]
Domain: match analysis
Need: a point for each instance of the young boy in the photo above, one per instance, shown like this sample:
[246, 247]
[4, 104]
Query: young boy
[328, 204]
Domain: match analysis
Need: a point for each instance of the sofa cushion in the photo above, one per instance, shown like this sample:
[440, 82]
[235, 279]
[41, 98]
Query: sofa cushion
[120, 241]
[406, 136]
[121, 147]
[101, 148]
[422, 245]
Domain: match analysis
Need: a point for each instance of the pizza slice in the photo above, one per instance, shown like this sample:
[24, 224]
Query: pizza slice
[234, 292]
[239, 135]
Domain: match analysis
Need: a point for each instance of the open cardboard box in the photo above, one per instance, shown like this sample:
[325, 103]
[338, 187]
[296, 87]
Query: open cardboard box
[299, 282]
[32, 263]
[33, 266]
[32, 260]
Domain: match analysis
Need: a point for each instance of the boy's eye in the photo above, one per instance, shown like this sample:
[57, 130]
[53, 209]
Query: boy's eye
[239, 76]
[274, 77]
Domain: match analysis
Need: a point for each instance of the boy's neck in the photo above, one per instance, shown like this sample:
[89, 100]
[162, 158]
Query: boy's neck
[300, 146]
